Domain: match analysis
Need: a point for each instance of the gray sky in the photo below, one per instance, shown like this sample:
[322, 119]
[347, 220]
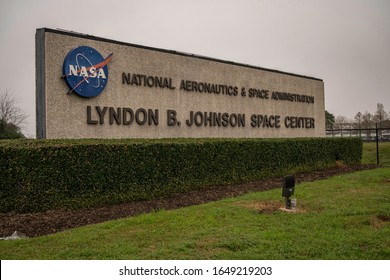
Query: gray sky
[344, 42]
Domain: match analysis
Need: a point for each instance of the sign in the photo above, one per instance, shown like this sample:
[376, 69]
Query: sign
[89, 87]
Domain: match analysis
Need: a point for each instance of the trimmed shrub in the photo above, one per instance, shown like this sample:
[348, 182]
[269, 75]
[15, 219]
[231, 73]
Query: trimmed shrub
[38, 175]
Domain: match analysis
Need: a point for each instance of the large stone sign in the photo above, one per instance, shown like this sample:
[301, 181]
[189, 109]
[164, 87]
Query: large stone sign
[89, 87]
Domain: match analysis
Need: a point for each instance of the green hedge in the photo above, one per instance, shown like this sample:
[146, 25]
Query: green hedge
[37, 175]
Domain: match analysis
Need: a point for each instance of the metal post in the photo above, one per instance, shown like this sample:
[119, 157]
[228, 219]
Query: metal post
[377, 144]
[287, 203]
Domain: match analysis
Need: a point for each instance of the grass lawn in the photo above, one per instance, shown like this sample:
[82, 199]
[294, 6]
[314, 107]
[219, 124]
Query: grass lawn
[344, 217]
[369, 153]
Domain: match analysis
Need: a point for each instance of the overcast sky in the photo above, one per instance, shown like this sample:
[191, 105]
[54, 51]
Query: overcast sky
[344, 42]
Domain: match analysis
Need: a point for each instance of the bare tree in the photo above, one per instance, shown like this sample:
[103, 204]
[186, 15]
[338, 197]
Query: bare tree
[368, 122]
[11, 116]
[380, 114]
[9, 112]
[358, 122]
[341, 123]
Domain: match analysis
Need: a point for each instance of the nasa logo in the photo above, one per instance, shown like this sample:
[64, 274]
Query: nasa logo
[85, 71]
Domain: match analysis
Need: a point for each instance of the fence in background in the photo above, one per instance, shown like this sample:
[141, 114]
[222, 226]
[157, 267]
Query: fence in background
[377, 134]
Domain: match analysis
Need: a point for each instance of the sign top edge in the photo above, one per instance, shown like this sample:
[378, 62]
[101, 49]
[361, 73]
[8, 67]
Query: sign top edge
[101, 39]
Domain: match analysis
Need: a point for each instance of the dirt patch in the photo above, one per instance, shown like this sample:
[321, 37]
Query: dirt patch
[379, 221]
[269, 207]
[383, 218]
[38, 224]
[263, 207]
[340, 164]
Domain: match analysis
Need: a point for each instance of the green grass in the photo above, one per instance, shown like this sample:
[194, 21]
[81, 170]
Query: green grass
[339, 218]
[369, 153]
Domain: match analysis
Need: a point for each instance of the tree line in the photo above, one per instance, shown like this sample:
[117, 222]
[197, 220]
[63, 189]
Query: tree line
[366, 121]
